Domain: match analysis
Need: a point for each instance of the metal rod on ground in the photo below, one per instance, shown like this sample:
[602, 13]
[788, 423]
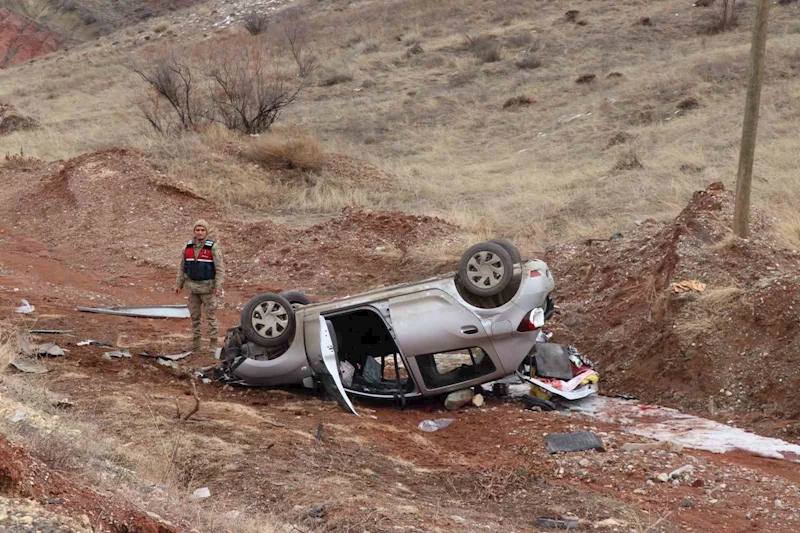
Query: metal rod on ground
[741, 217]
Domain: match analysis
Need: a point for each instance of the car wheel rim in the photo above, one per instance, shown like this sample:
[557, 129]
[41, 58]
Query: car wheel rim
[485, 270]
[270, 319]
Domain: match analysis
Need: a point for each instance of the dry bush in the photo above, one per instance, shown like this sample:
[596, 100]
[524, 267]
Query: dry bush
[335, 76]
[9, 342]
[484, 47]
[726, 18]
[294, 151]
[518, 101]
[245, 86]
[252, 85]
[628, 161]
[296, 37]
[528, 62]
[255, 23]
[520, 40]
[20, 161]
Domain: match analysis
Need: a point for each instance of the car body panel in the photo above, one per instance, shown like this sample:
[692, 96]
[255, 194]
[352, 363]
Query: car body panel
[423, 318]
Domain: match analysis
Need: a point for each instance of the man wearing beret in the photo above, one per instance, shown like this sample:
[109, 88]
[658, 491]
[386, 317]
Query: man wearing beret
[202, 272]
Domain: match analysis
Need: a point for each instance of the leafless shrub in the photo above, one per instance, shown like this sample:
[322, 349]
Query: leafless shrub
[242, 86]
[178, 82]
[256, 23]
[251, 86]
[293, 151]
[19, 162]
[296, 37]
[484, 47]
[727, 17]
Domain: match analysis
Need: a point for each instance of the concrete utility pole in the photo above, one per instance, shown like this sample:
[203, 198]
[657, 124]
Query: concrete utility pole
[741, 217]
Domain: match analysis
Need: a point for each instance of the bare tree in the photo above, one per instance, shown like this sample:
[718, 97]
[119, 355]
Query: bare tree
[728, 15]
[296, 37]
[251, 86]
[177, 81]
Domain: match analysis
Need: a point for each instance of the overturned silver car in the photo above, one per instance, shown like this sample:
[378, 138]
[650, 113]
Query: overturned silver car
[414, 340]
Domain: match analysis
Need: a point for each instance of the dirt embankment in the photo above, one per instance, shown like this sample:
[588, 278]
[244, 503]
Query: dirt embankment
[728, 348]
[22, 39]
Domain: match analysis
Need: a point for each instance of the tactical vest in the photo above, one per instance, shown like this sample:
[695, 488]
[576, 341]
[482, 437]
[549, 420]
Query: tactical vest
[202, 268]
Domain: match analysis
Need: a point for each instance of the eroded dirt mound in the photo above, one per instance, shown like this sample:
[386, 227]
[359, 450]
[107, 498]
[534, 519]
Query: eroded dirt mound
[22, 475]
[111, 210]
[730, 347]
[22, 39]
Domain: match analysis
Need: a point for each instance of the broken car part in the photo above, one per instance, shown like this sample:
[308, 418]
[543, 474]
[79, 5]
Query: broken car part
[573, 442]
[152, 311]
[51, 331]
[24, 308]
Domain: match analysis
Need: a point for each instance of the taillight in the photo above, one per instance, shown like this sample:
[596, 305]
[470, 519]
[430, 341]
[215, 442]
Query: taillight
[535, 273]
[532, 321]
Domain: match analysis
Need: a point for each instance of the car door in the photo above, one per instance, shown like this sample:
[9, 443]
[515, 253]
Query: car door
[332, 379]
[433, 331]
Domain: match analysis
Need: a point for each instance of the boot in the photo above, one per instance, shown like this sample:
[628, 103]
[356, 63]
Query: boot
[212, 345]
[196, 345]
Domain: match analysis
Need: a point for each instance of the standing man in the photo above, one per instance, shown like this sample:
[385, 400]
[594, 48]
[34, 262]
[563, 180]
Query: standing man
[202, 271]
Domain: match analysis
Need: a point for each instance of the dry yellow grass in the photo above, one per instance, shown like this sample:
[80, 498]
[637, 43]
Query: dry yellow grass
[291, 152]
[434, 120]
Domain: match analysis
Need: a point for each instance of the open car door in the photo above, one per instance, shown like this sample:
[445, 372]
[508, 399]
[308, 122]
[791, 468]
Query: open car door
[332, 381]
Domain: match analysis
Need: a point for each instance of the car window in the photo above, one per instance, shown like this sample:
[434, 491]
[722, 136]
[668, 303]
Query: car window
[448, 368]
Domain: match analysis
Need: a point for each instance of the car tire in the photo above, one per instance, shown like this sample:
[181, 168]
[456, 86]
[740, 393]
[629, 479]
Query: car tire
[296, 298]
[478, 269]
[512, 250]
[268, 320]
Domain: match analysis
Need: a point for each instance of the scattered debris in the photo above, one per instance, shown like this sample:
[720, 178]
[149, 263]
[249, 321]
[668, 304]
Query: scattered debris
[435, 425]
[691, 285]
[628, 397]
[609, 522]
[478, 400]
[24, 308]
[675, 474]
[666, 445]
[318, 511]
[48, 349]
[64, 402]
[95, 343]
[200, 494]
[500, 389]
[51, 331]
[573, 442]
[29, 366]
[117, 354]
[151, 311]
[531, 402]
[19, 416]
[458, 399]
[558, 523]
[166, 362]
[175, 357]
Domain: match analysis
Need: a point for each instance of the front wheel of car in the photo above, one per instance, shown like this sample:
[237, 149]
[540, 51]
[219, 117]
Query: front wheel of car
[486, 269]
[268, 320]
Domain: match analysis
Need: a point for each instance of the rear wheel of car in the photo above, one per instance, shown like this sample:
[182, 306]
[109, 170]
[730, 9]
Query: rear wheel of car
[296, 298]
[512, 250]
[268, 320]
[486, 269]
